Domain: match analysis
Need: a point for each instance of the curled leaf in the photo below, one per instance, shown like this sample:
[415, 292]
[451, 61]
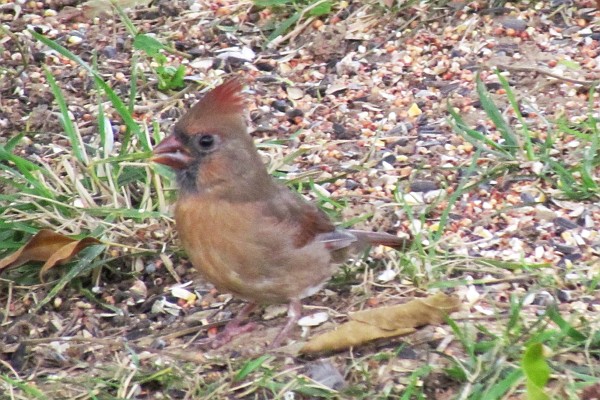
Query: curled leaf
[365, 326]
[49, 247]
[537, 371]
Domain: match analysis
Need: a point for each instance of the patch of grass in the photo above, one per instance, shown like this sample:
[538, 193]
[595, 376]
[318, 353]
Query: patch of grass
[295, 12]
[102, 188]
[169, 77]
[261, 377]
[574, 177]
[28, 389]
[522, 357]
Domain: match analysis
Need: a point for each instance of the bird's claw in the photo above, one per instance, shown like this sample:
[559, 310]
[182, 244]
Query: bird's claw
[227, 334]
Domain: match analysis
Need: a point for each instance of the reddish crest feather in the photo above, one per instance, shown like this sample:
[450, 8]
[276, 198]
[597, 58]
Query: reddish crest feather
[223, 100]
[226, 97]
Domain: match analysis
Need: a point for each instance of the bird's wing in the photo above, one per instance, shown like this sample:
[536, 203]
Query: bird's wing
[291, 209]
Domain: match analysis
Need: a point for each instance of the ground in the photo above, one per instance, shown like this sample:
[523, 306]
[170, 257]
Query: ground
[472, 127]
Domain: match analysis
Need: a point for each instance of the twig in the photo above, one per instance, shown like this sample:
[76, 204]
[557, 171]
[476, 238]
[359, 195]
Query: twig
[8, 302]
[542, 71]
[159, 104]
[299, 27]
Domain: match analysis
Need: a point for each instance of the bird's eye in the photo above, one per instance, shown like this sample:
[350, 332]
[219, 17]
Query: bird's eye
[206, 141]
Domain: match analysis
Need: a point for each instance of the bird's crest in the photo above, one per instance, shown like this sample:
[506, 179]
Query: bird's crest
[225, 99]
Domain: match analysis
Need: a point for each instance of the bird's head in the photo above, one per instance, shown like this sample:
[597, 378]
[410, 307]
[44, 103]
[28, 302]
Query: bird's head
[210, 147]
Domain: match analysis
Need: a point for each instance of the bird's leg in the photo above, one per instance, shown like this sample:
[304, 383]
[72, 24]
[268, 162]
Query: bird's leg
[235, 327]
[294, 314]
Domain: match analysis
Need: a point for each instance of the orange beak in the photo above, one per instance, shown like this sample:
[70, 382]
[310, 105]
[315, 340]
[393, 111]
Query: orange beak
[171, 152]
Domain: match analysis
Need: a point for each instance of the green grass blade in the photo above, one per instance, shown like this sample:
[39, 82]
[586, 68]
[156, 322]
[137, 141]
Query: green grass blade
[148, 45]
[132, 126]
[129, 26]
[466, 342]
[564, 326]
[16, 226]
[321, 9]
[513, 266]
[499, 389]
[284, 26]
[65, 119]
[462, 188]
[564, 126]
[27, 389]
[511, 143]
[567, 182]
[251, 366]
[133, 83]
[476, 138]
[415, 379]
[516, 307]
[85, 263]
[515, 106]
[23, 171]
[13, 142]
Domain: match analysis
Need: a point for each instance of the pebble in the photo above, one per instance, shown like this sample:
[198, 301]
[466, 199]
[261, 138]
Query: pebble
[158, 344]
[265, 66]
[544, 298]
[150, 268]
[565, 223]
[422, 185]
[387, 275]
[434, 195]
[351, 184]
[39, 57]
[294, 113]
[527, 198]
[109, 51]
[274, 311]
[139, 288]
[326, 374]
[513, 23]
[563, 295]
[414, 110]
[280, 105]
[413, 198]
[294, 93]
[74, 39]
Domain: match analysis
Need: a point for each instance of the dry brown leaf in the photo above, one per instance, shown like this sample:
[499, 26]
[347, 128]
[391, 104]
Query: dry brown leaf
[50, 247]
[385, 322]
[591, 392]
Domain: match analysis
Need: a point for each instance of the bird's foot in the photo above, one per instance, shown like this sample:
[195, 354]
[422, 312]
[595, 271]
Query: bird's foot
[232, 329]
[229, 332]
[294, 314]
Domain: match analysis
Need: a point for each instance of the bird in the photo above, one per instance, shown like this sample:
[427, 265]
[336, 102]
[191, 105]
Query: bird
[245, 232]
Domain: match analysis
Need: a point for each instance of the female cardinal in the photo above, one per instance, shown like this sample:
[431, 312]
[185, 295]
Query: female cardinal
[245, 232]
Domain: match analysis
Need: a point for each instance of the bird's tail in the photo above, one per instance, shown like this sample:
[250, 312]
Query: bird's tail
[366, 238]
